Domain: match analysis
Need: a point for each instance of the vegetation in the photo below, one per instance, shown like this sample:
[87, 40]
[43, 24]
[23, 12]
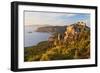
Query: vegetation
[75, 46]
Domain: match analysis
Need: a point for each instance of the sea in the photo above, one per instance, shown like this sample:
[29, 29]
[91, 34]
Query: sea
[31, 37]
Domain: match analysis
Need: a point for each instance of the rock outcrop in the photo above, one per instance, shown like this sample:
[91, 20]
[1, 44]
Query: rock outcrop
[73, 30]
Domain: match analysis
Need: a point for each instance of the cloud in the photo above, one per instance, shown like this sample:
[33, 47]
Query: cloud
[51, 18]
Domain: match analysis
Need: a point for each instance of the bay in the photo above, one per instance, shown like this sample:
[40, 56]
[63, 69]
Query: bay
[31, 37]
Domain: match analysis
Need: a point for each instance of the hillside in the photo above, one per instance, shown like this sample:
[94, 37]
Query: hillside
[74, 43]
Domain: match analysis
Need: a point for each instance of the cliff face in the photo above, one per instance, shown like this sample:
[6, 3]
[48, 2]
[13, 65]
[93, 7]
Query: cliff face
[75, 30]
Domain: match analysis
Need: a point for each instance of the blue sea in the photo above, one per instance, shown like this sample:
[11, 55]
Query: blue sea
[31, 37]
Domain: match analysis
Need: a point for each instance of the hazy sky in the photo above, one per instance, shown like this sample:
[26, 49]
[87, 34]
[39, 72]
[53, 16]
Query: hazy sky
[50, 18]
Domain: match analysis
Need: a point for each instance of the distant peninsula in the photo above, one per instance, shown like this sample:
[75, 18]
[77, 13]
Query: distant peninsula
[51, 29]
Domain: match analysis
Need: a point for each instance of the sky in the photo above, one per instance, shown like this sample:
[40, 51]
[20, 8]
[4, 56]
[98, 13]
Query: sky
[55, 18]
